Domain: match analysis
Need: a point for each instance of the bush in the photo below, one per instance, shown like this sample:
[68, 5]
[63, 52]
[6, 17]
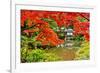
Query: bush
[37, 55]
[23, 54]
[78, 38]
[83, 52]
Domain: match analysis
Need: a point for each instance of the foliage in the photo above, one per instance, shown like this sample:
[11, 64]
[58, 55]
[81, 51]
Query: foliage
[52, 23]
[53, 20]
[23, 54]
[49, 37]
[83, 52]
[46, 28]
[82, 28]
[29, 43]
[37, 55]
[78, 38]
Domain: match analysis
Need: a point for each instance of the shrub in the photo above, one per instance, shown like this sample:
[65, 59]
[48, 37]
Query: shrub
[23, 54]
[37, 55]
[83, 52]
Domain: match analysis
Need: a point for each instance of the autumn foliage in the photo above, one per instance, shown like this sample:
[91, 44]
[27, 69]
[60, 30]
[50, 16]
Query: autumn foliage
[49, 36]
[34, 21]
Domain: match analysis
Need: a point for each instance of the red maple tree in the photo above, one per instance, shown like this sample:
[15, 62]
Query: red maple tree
[47, 35]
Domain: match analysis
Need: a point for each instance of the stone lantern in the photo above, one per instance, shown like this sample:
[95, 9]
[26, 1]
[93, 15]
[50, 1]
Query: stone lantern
[68, 37]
